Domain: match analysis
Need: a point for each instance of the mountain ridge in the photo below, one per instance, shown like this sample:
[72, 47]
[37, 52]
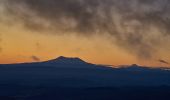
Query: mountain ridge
[67, 60]
[60, 72]
[62, 60]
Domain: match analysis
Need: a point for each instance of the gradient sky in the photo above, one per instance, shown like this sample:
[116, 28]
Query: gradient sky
[116, 32]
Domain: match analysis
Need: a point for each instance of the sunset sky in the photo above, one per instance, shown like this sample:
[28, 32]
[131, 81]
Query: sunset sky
[115, 32]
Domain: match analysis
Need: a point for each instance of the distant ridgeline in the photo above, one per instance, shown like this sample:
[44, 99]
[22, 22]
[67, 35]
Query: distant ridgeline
[66, 60]
[74, 72]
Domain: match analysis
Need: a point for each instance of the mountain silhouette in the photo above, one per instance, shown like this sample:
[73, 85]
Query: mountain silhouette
[67, 60]
[74, 72]
[134, 67]
[74, 79]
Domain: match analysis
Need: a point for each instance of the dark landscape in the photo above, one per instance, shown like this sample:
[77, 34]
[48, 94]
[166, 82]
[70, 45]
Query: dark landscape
[74, 79]
[84, 49]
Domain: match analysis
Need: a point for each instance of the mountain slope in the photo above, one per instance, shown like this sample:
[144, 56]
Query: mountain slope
[67, 60]
[66, 78]
[74, 72]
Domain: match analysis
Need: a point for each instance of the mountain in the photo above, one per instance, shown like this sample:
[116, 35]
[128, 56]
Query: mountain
[134, 67]
[74, 72]
[67, 61]
[66, 78]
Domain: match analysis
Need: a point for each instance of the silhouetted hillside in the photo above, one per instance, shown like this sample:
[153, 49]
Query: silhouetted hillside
[74, 79]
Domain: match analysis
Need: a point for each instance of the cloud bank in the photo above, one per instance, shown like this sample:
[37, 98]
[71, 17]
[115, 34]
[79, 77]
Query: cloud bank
[140, 27]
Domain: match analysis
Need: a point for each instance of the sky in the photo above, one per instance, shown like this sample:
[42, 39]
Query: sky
[114, 32]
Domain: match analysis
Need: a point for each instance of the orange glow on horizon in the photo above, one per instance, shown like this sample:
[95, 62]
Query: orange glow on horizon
[18, 45]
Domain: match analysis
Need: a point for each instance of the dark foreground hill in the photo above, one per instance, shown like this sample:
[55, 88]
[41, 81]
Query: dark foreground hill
[74, 79]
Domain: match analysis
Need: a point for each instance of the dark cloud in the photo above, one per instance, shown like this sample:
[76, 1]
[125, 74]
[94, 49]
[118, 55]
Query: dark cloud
[164, 62]
[138, 26]
[35, 58]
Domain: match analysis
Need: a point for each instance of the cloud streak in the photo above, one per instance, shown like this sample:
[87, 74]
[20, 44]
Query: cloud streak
[35, 58]
[163, 61]
[137, 26]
